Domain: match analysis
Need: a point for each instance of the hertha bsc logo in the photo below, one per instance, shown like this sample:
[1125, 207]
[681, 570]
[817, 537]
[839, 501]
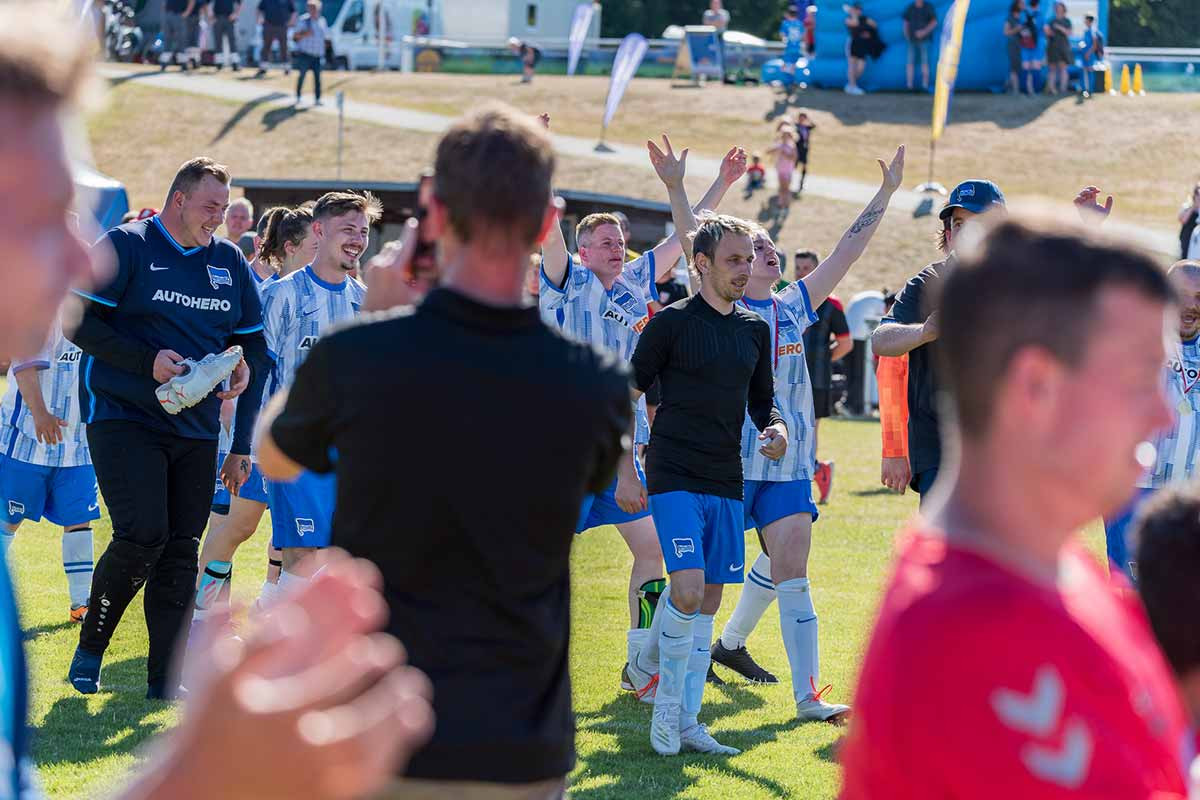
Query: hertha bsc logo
[683, 546]
[219, 276]
[304, 526]
[15, 509]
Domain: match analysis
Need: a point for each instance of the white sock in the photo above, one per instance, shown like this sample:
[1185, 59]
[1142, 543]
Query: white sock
[289, 583]
[635, 642]
[268, 595]
[6, 540]
[757, 594]
[78, 564]
[798, 623]
[647, 659]
[674, 646]
[697, 671]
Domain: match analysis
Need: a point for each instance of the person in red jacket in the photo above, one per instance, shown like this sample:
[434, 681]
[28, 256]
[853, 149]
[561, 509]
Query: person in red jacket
[1002, 663]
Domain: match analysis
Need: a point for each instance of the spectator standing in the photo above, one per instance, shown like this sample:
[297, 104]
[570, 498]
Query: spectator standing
[195, 31]
[920, 20]
[810, 31]
[238, 220]
[791, 33]
[825, 341]
[864, 43]
[1012, 40]
[718, 17]
[505, 727]
[1058, 49]
[529, 55]
[275, 16]
[175, 33]
[1188, 215]
[310, 36]
[1031, 38]
[804, 129]
[224, 26]
[1093, 51]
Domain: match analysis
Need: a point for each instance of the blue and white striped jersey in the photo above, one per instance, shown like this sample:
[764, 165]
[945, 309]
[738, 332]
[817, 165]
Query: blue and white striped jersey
[58, 364]
[611, 319]
[1177, 449]
[788, 314]
[225, 434]
[297, 310]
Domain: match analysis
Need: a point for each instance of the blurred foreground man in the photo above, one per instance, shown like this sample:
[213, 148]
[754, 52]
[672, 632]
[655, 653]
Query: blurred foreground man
[477, 584]
[316, 687]
[1036, 678]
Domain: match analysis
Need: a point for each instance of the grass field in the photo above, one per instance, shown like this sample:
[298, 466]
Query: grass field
[84, 745]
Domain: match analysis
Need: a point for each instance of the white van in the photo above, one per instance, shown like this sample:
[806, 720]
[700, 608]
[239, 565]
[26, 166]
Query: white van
[354, 28]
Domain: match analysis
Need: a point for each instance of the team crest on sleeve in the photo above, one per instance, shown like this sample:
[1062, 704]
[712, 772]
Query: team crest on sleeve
[219, 276]
[15, 508]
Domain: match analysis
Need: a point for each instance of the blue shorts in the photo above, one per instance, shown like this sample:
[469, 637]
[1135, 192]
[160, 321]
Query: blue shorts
[1029, 56]
[64, 495]
[1116, 535]
[701, 531]
[302, 511]
[602, 509]
[769, 501]
[255, 488]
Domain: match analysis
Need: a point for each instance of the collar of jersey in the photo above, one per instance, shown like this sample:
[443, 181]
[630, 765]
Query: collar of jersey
[1191, 342]
[333, 287]
[759, 303]
[163, 230]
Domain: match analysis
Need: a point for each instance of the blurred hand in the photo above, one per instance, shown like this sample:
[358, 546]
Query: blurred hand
[775, 442]
[895, 473]
[166, 365]
[315, 692]
[238, 381]
[893, 173]
[1090, 210]
[235, 471]
[48, 427]
[630, 493]
[669, 167]
[388, 274]
[733, 166]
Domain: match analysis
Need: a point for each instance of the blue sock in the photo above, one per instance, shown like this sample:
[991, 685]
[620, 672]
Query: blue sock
[697, 671]
[674, 647]
[212, 579]
[84, 674]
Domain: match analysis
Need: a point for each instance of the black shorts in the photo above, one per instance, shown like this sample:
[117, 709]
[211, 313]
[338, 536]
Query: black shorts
[822, 403]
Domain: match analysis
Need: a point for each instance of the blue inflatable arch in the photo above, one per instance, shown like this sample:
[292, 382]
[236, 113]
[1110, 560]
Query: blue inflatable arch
[982, 67]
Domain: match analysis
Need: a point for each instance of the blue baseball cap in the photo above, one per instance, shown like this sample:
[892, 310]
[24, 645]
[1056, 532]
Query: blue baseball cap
[974, 196]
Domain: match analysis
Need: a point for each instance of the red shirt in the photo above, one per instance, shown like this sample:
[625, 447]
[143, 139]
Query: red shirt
[983, 685]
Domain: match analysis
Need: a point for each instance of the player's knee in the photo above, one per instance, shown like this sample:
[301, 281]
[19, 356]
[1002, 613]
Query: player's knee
[687, 598]
[134, 560]
[175, 573]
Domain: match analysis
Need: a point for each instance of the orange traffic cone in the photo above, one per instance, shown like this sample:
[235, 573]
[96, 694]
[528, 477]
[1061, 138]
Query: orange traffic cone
[1125, 90]
[1138, 88]
[1108, 87]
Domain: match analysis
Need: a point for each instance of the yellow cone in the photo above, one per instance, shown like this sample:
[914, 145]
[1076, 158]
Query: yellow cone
[1125, 79]
[1138, 88]
[1108, 87]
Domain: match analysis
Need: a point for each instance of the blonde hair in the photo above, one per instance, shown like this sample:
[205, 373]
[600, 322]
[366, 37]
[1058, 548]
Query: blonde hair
[588, 224]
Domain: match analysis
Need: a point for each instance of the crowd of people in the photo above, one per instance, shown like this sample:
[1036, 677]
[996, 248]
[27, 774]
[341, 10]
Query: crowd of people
[196, 388]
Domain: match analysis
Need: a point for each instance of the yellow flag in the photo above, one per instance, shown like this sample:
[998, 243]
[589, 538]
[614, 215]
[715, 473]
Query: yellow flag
[947, 69]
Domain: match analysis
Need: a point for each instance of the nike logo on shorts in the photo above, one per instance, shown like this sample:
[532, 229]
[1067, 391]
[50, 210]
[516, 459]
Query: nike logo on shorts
[156, 269]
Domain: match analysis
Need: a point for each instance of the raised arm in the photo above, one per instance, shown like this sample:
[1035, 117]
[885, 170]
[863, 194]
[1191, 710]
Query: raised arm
[555, 258]
[733, 167]
[671, 170]
[825, 278]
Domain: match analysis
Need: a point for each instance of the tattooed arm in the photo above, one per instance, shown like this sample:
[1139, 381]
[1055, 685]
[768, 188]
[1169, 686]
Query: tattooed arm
[825, 278]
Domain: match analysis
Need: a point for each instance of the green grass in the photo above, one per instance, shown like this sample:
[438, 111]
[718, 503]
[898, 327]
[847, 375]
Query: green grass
[85, 745]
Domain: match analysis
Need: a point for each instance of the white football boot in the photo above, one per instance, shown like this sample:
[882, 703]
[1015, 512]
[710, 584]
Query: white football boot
[198, 379]
[697, 739]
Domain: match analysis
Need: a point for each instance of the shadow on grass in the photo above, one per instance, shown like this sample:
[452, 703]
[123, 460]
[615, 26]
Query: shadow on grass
[71, 733]
[277, 116]
[131, 76]
[628, 721]
[872, 492]
[1005, 111]
[244, 111]
[50, 627]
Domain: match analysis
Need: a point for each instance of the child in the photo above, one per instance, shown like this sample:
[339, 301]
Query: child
[755, 174]
[1093, 51]
[785, 163]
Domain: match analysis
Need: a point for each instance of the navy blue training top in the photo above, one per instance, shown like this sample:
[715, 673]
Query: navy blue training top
[190, 300]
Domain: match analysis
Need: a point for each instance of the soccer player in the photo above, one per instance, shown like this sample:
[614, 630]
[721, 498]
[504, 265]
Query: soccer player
[1002, 663]
[912, 327]
[332, 670]
[288, 244]
[45, 468]
[604, 301]
[778, 500]
[714, 359]
[179, 293]
[297, 310]
[1175, 447]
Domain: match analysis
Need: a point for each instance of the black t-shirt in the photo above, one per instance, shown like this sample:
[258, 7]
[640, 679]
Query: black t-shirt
[530, 54]
[176, 6]
[918, 18]
[276, 12]
[223, 8]
[466, 437]
[913, 306]
[831, 322]
[714, 368]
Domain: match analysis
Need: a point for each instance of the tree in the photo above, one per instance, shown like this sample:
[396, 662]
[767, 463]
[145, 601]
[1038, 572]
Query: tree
[1154, 23]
